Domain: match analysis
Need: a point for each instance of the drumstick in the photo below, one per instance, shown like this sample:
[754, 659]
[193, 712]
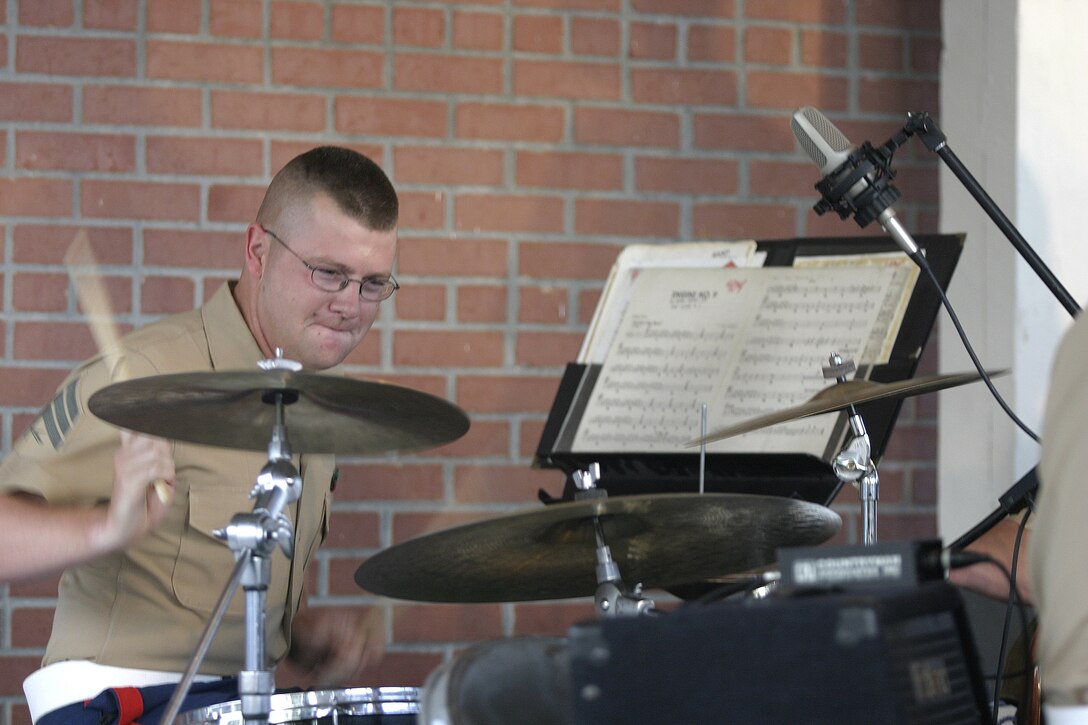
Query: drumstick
[92, 295]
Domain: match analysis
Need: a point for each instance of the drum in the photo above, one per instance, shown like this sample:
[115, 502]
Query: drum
[354, 706]
[522, 680]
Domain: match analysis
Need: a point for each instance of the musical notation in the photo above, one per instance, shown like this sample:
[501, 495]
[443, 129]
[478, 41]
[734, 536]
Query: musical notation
[746, 342]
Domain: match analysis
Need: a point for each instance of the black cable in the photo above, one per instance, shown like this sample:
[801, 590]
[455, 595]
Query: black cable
[920, 260]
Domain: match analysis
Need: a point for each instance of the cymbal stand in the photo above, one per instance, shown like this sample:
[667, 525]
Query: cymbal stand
[613, 598]
[854, 463]
[253, 538]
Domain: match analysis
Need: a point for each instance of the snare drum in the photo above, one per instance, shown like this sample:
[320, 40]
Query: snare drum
[354, 706]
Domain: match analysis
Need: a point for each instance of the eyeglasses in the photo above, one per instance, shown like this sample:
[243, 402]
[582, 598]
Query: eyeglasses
[374, 289]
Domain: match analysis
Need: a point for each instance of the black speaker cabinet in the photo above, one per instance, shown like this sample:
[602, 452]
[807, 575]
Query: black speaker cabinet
[882, 656]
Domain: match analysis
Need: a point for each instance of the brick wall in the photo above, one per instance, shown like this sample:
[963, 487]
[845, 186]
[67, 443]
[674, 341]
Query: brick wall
[529, 139]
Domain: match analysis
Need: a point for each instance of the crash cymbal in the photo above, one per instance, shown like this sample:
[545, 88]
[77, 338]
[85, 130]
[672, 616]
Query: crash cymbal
[330, 414]
[842, 395]
[658, 540]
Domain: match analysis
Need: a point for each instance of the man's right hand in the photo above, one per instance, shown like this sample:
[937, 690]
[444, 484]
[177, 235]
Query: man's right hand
[143, 488]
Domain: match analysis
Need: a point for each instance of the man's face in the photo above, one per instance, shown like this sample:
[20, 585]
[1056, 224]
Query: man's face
[313, 326]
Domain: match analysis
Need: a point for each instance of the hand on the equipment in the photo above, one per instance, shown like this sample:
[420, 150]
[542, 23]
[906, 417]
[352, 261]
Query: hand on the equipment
[334, 646]
[143, 488]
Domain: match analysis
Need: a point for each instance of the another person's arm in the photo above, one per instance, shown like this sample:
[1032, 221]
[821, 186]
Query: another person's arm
[988, 578]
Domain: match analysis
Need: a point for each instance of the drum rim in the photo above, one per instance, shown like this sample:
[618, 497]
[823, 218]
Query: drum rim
[289, 707]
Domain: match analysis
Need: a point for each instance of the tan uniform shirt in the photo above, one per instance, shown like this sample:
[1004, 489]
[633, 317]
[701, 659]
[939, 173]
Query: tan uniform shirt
[1059, 545]
[146, 607]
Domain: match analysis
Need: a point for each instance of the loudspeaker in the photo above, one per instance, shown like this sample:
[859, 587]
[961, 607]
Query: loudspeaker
[895, 656]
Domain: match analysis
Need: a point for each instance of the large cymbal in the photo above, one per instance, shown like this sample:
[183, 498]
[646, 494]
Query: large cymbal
[331, 414]
[659, 540]
[842, 395]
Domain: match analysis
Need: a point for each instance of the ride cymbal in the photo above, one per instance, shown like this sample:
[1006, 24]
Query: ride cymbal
[325, 414]
[659, 540]
[842, 395]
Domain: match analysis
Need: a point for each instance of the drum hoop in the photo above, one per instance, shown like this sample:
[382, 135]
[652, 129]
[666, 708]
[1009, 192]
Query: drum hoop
[290, 707]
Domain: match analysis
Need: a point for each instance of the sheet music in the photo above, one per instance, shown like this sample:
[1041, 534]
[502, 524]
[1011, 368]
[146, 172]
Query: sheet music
[745, 341]
[633, 258]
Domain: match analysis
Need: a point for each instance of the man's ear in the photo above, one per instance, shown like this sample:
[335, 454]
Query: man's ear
[257, 247]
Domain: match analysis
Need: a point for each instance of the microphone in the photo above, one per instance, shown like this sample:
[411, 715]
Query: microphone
[854, 180]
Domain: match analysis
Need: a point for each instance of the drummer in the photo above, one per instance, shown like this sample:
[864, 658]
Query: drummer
[128, 518]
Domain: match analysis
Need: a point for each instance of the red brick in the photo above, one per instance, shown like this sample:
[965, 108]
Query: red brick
[772, 45]
[542, 78]
[913, 443]
[29, 386]
[506, 393]
[189, 248]
[547, 349]
[74, 151]
[297, 20]
[391, 116]
[550, 618]
[485, 439]
[925, 55]
[139, 200]
[400, 482]
[630, 218]
[594, 36]
[183, 61]
[167, 295]
[70, 341]
[432, 384]
[569, 170]
[712, 43]
[268, 111]
[499, 212]
[742, 221]
[354, 530]
[743, 133]
[543, 305]
[142, 106]
[502, 484]
[421, 302]
[903, 526]
[608, 5]
[677, 86]
[13, 670]
[45, 586]
[317, 67]
[782, 178]
[826, 12]
[447, 73]
[687, 176]
[367, 353]
[35, 102]
[587, 303]
[110, 14]
[768, 89]
[700, 8]
[918, 183]
[424, 27]
[651, 41]
[234, 202]
[566, 260]
[614, 127]
[481, 303]
[422, 210]
[880, 52]
[478, 31]
[47, 244]
[829, 225]
[448, 165]
[235, 18]
[447, 349]
[284, 151]
[47, 13]
[458, 257]
[358, 24]
[897, 95]
[173, 16]
[39, 292]
[824, 48]
[3, 51]
[205, 156]
[506, 122]
[401, 669]
[924, 485]
[918, 15]
[538, 34]
[446, 622]
[35, 197]
[118, 296]
[529, 432]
